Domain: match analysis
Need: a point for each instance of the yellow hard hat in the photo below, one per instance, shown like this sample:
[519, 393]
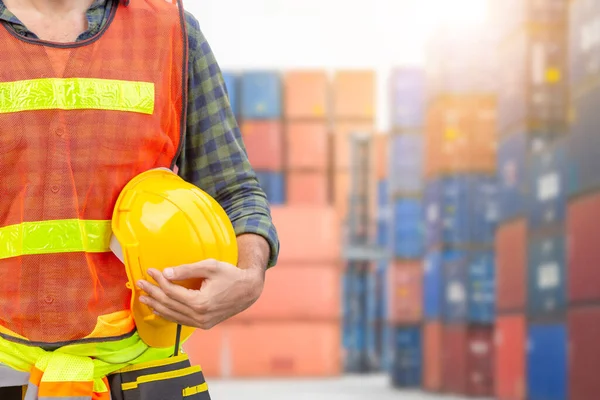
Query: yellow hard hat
[161, 221]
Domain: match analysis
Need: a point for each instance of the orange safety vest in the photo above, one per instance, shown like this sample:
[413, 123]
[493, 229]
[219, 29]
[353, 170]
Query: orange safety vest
[77, 122]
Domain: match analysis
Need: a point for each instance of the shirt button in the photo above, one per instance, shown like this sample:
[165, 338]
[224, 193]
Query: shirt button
[49, 299]
[60, 131]
[54, 188]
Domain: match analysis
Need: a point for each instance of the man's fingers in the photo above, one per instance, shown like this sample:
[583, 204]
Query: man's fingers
[203, 269]
[167, 313]
[179, 293]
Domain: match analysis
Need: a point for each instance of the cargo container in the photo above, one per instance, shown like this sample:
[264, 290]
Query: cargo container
[407, 87]
[261, 95]
[481, 289]
[381, 273]
[534, 82]
[342, 133]
[432, 356]
[382, 156]
[342, 187]
[374, 345]
[546, 292]
[547, 362]
[514, 15]
[468, 360]
[511, 266]
[405, 292]
[306, 95]
[383, 197]
[433, 284]
[468, 210]
[264, 143]
[303, 227]
[307, 188]
[354, 95]
[407, 365]
[273, 184]
[231, 85]
[408, 228]
[432, 210]
[205, 348]
[583, 255]
[460, 135]
[584, 352]
[307, 146]
[584, 42]
[406, 166]
[454, 267]
[514, 154]
[510, 342]
[287, 297]
[461, 60]
[548, 182]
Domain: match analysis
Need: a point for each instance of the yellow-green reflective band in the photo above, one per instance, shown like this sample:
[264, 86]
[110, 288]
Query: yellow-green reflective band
[76, 94]
[50, 237]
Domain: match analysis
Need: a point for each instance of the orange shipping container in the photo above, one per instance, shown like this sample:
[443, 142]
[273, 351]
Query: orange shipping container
[432, 381]
[285, 349]
[264, 143]
[342, 132]
[306, 94]
[461, 135]
[510, 340]
[307, 145]
[204, 348]
[307, 188]
[307, 234]
[405, 292]
[298, 292]
[341, 195]
[381, 156]
[354, 95]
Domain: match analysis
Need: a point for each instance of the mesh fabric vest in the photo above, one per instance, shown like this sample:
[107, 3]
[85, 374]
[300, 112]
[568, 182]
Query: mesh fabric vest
[77, 122]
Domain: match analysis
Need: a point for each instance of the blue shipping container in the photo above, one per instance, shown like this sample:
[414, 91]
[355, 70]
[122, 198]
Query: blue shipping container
[512, 15]
[231, 83]
[534, 82]
[407, 365]
[408, 98]
[432, 213]
[433, 285]
[387, 353]
[408, 228]
[546, 275]
[273, 185]
[455, 272]
[373, 297]
[383, 198]
[406, 164]
[261, 95]
[547, 197]
[513, 165]
[584, 42]
[482, 288]
[547, 362]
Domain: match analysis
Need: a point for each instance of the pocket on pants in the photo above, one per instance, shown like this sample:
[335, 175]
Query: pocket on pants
[170, 379]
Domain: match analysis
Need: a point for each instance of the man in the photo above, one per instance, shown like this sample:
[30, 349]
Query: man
[92, 93]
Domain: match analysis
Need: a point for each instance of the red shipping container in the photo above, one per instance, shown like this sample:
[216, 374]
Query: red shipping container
[405, 292]
[285, 349]
[461, 135]
[307, 188]
[204, 348]
[306, 94]
[307, 146]
[583, 252]
[308, 234]
[298, 292]
[584, 352]
[511, 265]
[432, 355]
[468, 360]
[342, 133]
[510, 340]
[264, 144]
[354, 95]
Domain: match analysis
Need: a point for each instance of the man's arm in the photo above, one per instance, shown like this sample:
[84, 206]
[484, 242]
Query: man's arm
[214, 157]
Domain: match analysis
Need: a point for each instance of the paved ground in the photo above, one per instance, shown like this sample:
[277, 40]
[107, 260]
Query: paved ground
[346, 388]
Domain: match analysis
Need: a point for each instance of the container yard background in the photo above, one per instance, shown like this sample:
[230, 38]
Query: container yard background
[433, 168]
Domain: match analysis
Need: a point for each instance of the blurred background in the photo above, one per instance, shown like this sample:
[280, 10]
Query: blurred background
[433, 168]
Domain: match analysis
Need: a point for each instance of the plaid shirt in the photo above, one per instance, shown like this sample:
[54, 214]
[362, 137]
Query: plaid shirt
[213, 157]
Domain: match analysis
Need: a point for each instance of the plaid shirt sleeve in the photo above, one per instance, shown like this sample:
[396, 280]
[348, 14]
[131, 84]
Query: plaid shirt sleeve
[213, 156]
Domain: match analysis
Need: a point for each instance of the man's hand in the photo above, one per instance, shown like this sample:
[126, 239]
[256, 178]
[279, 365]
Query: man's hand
[225, 292]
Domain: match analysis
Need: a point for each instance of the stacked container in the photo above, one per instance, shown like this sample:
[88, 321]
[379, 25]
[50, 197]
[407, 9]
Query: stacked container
[460, 213]
[404, 287]
[583, 209]
[534, 179]
[262, 130]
